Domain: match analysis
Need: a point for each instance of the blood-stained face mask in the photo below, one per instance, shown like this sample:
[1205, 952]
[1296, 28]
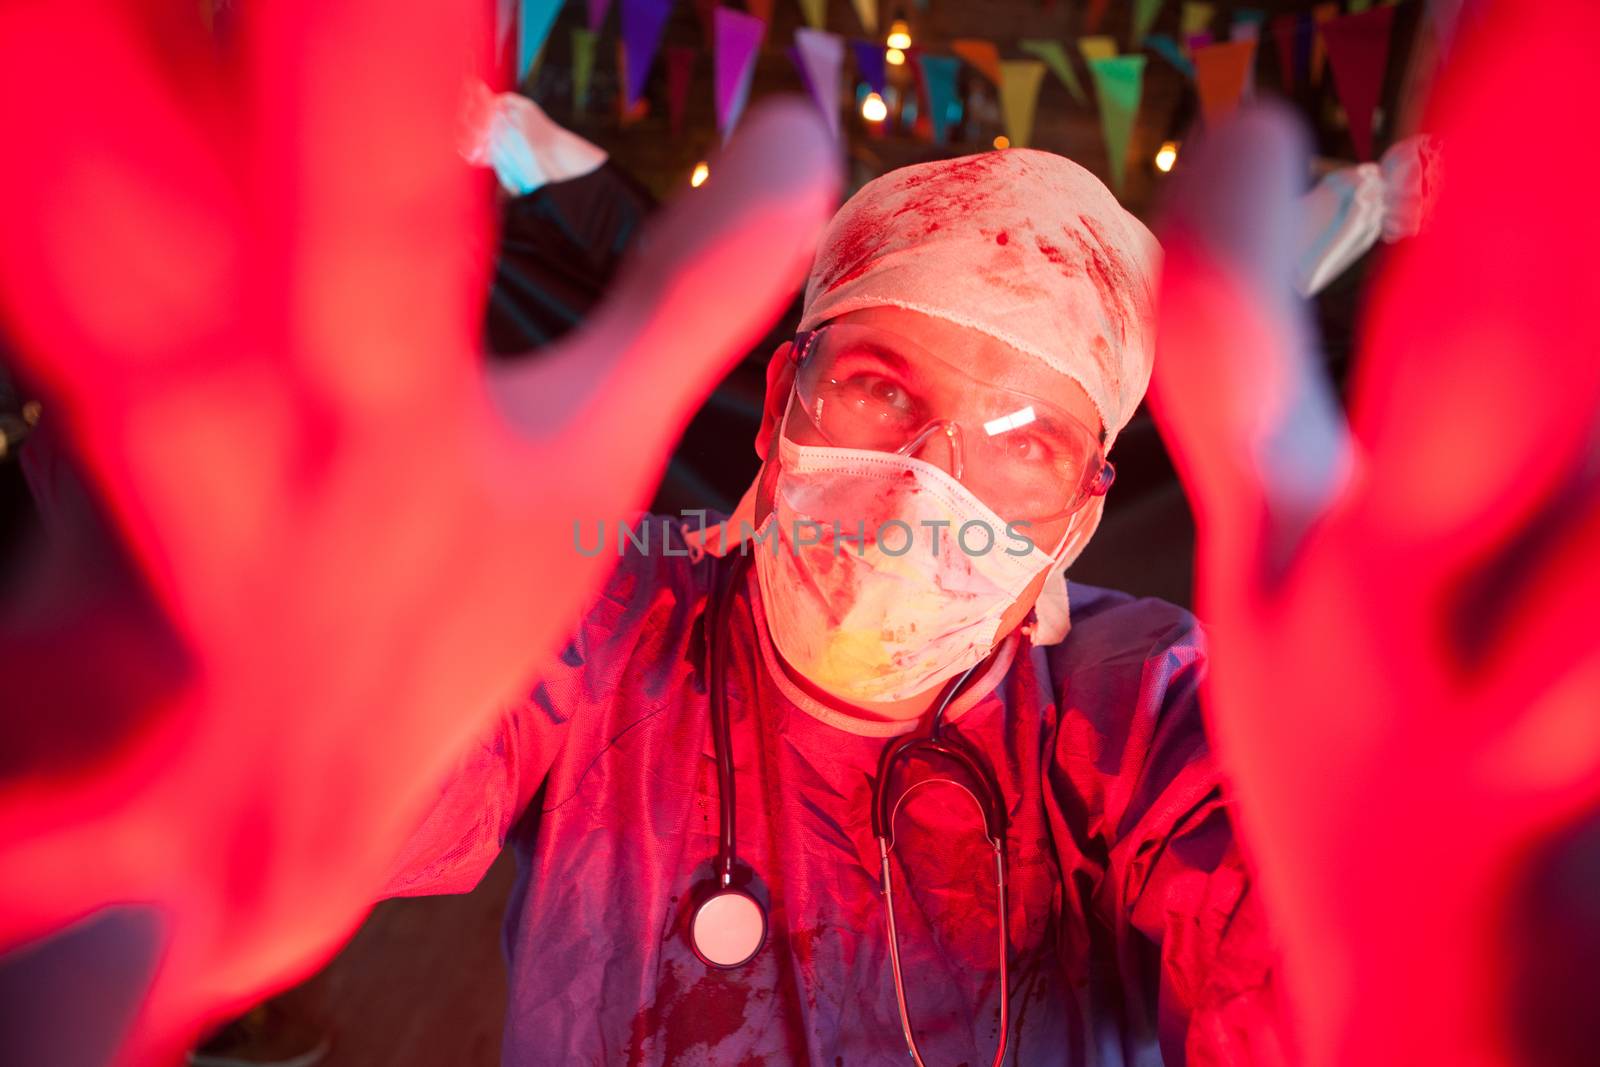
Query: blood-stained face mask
[883, 574]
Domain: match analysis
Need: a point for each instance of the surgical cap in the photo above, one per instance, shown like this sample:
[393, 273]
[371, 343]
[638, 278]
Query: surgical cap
[1025, 246]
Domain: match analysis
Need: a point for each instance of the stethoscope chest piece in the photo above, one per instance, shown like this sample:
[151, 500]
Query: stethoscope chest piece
[728, 928]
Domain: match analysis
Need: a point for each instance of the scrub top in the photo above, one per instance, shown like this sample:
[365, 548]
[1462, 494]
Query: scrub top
[1134, 936]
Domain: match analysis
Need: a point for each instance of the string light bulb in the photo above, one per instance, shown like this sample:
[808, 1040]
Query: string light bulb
[1167, 156]
[873, 109]
[1002, 142]
[894, 57]
[702, 171]
[899, 35]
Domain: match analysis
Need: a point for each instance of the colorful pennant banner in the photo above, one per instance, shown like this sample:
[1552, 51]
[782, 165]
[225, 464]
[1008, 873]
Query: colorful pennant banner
[1164, 46]
[1093, 48]
[1320, 16]
[1196, 19]
[820, 57]
[984, 55]
[939, 79]
[534, 22]
[734, 63]
[1144, 16]
[642, 23]
[583, 42]
[1054, 55]
[815, 12]
[869, 64]
[1358, 52]
[1096, 14]
[867, 12]
[1118, 84]
[598, 10]
[1221, 73]
[1020, 80]
[761, 9]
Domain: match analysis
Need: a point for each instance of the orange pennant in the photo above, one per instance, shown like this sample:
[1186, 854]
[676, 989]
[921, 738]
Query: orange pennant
[981, 54]
[1221, 72]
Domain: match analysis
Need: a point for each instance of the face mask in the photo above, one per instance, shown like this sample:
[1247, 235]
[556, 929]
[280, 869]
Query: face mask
[881, 575]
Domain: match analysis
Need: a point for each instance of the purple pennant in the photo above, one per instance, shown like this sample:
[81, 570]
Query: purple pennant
[642, 23]
[598, 10]
[869, 64]
[819, 57]
[738, 40]
[1196, 41]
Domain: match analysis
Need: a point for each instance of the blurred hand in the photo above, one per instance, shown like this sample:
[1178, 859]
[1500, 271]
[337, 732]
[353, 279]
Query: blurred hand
[243, 283]
[1405, 681]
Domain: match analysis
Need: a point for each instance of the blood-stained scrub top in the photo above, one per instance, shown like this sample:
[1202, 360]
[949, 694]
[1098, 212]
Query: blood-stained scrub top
[1134, 938]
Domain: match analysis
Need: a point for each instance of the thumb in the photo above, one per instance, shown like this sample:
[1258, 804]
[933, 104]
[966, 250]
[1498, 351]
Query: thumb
[1256, 435]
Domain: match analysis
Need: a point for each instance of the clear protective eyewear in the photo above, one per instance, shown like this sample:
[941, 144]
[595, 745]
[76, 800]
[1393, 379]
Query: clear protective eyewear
[867, 388]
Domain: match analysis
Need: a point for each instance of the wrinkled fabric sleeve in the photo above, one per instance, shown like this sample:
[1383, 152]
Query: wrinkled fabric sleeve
[497, 776]
[1193, 956]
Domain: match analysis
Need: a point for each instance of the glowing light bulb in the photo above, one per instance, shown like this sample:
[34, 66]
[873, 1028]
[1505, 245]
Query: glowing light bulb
[899, 35]
[1167, 156]
[702, 171]
[894, 57]
[1002, 141]
[873, 109]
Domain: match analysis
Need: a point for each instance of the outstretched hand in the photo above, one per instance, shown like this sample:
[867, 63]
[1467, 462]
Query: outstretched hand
[243, 283]
[1405, 682]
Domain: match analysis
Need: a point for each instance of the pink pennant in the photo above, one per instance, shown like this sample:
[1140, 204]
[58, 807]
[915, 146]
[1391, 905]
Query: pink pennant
[1358, 52]
[738, 41]
[820, 57]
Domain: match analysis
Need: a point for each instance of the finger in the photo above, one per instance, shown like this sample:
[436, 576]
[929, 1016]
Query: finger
[709, 280]
[1479, 380]
[1256, 435]
[365, 211]
[119, 254]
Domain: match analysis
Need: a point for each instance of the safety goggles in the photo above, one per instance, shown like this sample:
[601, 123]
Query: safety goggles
[1026, 458]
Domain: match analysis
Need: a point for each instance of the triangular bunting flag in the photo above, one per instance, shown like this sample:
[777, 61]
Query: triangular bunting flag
[820, 57]
[1197, 40]
[1283, 31]
[598, 10]
[869, 64]
[1144, 16]
[939, 77]
[867, 12]
[1165, 47]
[534, 27]
[1093, 48]
[761, 9]
[1358, 52]
[583, 42]
[1095, 15]
[680, 73]
[983, 55]
[815, 13]
[1118, 84]
[1196, 19]
[642, 23]
[1221, 72]
[1019, 97]
[628, 114]
[1320, 15]
[1054, 55]
[738, 41]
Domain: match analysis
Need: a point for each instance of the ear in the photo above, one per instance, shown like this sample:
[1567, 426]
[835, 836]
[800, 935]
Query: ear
[780, 379]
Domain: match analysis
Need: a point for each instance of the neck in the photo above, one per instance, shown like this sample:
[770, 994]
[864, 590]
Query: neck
[908, 710]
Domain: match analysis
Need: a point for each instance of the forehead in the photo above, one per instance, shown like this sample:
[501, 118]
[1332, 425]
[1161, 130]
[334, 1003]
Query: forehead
[976, 355]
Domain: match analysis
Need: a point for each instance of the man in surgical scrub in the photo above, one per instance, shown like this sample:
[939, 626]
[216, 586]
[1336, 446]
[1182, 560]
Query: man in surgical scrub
[976, 332]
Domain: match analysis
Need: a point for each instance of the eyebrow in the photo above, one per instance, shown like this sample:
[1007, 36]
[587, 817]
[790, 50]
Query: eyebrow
[881, 352]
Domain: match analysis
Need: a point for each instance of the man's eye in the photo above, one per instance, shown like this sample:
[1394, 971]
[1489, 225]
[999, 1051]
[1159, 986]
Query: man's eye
[1029, 447]
[878, 394]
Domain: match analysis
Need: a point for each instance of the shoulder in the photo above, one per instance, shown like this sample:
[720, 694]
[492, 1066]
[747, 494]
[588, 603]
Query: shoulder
[1112, 630]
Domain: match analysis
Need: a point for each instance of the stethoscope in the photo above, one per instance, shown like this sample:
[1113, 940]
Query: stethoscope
[728, 927]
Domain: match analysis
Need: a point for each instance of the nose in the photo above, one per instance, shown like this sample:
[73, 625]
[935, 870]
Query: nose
[939, 444]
